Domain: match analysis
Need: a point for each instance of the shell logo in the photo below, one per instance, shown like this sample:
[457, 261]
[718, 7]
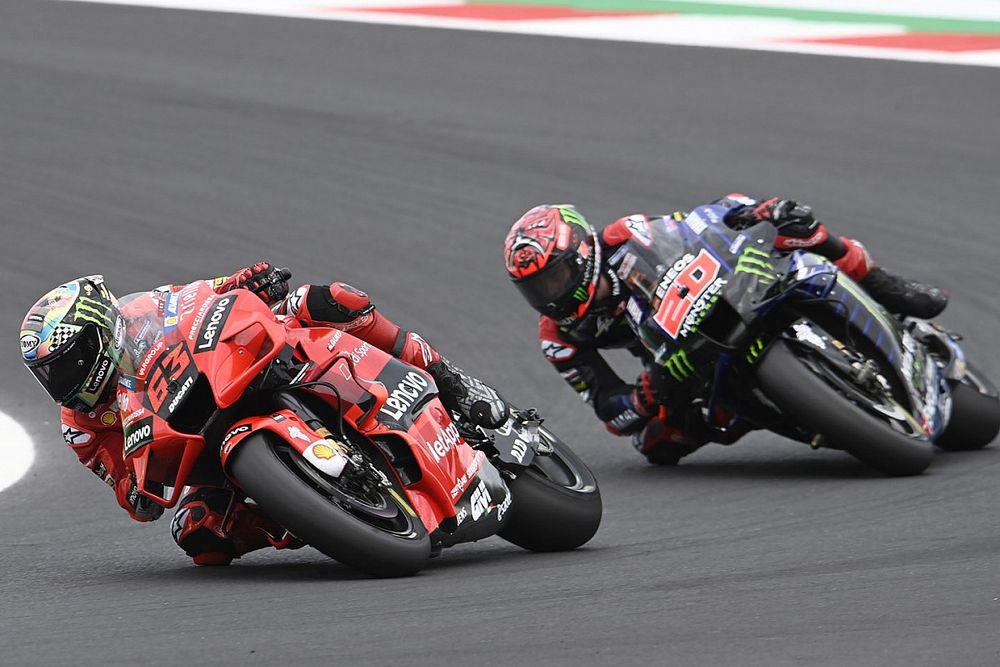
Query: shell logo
[108, 418]
[321, 450]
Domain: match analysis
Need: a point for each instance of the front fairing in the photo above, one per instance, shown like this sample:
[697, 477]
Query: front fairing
[681, 270]
[182, 355]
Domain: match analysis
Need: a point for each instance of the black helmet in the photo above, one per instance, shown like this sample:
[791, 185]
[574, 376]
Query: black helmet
[66, 340]
[553, 257]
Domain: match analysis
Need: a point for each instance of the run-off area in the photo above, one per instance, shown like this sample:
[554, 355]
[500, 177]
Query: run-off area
[17, 452]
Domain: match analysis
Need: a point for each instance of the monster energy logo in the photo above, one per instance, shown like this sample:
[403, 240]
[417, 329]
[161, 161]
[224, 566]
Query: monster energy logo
[753, 352]
[580, 294]
[679, 365]
[571, 216]
[88, 310]
[755, 262]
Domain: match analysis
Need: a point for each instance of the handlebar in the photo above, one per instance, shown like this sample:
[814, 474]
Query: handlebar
[277, 286]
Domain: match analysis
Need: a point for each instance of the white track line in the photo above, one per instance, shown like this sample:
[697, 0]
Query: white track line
[16, 452]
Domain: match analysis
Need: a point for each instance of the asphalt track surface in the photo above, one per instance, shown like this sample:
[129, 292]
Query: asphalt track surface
[159, 146]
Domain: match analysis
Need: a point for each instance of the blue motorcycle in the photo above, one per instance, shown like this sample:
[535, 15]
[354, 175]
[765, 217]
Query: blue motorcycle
[786, 342]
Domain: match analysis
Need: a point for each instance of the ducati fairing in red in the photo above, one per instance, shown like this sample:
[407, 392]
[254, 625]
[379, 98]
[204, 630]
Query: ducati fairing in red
[347, 447]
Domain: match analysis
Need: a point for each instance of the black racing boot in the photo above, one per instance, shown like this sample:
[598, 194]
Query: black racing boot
[905, 297]
[475, 400]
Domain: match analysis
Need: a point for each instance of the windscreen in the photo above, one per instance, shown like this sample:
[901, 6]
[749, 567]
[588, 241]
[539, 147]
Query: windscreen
[655, 245]
[142, 323]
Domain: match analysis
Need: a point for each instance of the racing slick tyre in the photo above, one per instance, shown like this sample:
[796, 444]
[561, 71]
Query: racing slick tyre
[374, 531]
[817, 407]
[975, 414]
[556, 503]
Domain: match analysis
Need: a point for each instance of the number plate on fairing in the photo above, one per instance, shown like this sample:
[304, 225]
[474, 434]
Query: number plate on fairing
[516, 442]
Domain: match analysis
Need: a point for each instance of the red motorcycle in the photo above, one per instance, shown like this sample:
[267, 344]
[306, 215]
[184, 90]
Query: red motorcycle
[345, 446]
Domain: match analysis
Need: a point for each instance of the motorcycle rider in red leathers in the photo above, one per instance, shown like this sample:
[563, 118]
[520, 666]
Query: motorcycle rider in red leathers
[570, 274]
[65, 338]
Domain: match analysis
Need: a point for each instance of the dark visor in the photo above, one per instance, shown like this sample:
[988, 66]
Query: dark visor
[550, 291]
[63, 373]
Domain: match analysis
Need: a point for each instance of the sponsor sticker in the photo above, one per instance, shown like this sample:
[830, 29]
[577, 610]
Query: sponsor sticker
[119, 339]
[470, 472]
[504, 506]
[323, 450]
[242, 428]
[480, 502]
[99, 375]
[296, 433]
[170, 313]
[29, 345]
[404, 395]
[138, 435]
[556, 351]
[737, 243]
[696, 224]
[295, 300]
[639, 226]
[131, 417]
[628, 263]
[445, 442]
[74, 436]
[360, 352]
[215, 321]
[181, 393]
[334, 339]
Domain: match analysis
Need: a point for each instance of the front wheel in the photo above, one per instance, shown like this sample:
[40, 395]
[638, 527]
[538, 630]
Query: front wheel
[556, 503]
[351, 519]
[816, 406]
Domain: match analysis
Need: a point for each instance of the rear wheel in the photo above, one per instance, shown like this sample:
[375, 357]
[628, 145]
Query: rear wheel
[975, 414]
[355, 518]
[556, 503]
[826, 400]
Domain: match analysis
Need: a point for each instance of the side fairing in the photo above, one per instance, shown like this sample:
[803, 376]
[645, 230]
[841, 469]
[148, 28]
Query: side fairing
[395, 405]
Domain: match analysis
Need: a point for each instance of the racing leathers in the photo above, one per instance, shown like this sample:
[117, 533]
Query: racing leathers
[665, 434]
[213, 525]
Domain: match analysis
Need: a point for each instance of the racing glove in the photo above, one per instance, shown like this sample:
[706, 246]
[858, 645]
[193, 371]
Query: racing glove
[139, 507]
[779, 212]
[644, 396]
[263, 279]
[99, 455]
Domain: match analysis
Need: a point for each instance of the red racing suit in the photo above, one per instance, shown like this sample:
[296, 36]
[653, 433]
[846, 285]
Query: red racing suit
[574, 350]
[96, 437]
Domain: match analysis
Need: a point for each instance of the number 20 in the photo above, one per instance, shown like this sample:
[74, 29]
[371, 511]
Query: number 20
[696, 278]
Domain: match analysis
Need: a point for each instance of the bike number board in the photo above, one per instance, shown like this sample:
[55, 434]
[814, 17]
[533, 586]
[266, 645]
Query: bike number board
[689, 282]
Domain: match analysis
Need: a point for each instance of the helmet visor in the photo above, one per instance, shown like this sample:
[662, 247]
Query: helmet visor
[551, 290]
[62, 374]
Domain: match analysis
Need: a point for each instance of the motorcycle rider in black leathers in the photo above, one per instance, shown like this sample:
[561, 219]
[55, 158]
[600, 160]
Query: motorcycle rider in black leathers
[569, 274]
